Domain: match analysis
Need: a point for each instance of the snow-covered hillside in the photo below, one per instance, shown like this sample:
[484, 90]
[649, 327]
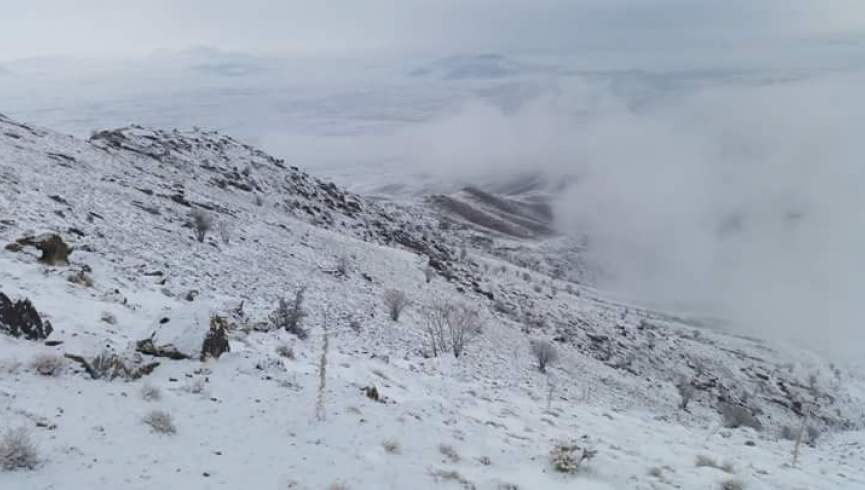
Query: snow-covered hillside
[279, 412]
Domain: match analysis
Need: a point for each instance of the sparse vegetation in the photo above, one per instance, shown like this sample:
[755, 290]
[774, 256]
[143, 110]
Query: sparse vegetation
[108, 317]
[160, 422]
[18, 451]
[48, 364]
[545, 353]
[452, 475]
[201, 223]
[704, 461]
[343, 265]
[450, 328]
[686, 392]
[429, 273]
[109, 365]
[735, 416]
[733, 484]
[285, 350]
[288, 316]
[395, 301]
[449, 452]
[150, 393]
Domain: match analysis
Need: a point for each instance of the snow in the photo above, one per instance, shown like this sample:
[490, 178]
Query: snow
[250, 418]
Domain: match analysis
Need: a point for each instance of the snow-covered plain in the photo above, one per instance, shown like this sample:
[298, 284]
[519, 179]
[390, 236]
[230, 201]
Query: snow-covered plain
[255, 419]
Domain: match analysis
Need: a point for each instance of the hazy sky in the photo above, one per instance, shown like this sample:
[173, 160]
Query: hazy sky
[122, 28]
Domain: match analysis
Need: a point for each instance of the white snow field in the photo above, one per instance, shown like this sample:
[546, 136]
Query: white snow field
[255, 418]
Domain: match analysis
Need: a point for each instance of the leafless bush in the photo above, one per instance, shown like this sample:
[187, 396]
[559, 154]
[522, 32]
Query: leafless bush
[450, 328]
[391, 446]
[704, 461]
[289, 315]
[454, 476]
[201, 223]
[569, 458]
[733, 484]
[109, 365]
[429, 273]
[285, 350]
[449, 452]
[224, 231]
[48, 364]
[161, 422]
[355, 325]
[196, 386]
[18, 451]
[463, 327]
[150, 393]
[686, 392]
[545, 353]
[735, 416]
[108, 317]
[395, 301]
[343, 265]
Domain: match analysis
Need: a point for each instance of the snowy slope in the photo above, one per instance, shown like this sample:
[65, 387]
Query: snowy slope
[255, 419]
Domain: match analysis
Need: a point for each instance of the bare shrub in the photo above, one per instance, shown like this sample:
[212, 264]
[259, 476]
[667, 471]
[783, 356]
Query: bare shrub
[735, 416]
[733, 484]
[201, 223]
[195, 387]
[391, 446]
[449, 452]
[450, 328]
[704, 461]
[48, 364]
[686, 393]
[150, 393]
[289, 315]
[285, 350]
[463, 327]
[545, 353]
[109, 365]
[395, 301]
[454, 476]
[343, 265]
[429, 273]
[355, 325]
[569, 458]
[224, 230]
[18, 451]
[161, 422]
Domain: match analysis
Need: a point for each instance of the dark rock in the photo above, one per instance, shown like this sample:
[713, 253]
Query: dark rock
[21, 319]
[216, 341]
[54, 250]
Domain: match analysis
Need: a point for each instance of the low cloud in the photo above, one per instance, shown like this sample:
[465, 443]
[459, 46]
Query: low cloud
[742, 201]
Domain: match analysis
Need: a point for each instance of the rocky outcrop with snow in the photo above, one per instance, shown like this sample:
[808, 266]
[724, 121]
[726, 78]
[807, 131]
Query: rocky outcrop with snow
[644, 392]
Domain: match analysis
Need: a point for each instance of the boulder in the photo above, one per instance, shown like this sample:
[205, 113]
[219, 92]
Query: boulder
[54, 250]
[20, 318]
[187, 333]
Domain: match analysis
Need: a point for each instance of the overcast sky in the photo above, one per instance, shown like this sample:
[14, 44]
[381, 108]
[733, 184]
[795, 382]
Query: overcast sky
[121, 28]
